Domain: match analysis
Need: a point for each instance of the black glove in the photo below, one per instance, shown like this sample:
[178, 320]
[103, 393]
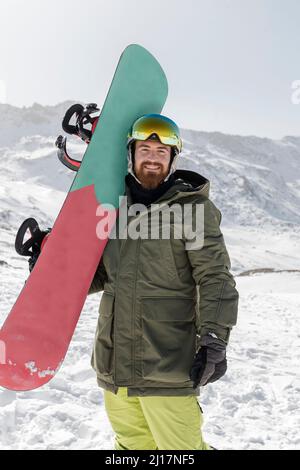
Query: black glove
[210, 362]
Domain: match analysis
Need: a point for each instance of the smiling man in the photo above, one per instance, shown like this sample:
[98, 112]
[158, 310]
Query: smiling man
[167, 310]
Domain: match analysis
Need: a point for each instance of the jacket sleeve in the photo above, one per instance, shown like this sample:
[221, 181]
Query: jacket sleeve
[218, 297]
[99, 280]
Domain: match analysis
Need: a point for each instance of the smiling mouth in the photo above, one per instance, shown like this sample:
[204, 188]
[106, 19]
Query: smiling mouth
[152, 167]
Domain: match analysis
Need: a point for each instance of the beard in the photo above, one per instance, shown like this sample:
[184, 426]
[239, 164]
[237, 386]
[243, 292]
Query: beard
[151, 179]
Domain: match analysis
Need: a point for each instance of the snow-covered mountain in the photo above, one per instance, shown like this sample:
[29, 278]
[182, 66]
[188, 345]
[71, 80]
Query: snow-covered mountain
[16, 123]
[254, 180]
[256, 184]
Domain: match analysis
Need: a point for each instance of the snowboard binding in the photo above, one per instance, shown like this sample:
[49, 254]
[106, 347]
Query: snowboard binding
[33, 246]
[63, 156]
[84, 128]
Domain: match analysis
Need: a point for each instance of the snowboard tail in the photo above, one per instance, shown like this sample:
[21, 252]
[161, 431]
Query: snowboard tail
[53, 296]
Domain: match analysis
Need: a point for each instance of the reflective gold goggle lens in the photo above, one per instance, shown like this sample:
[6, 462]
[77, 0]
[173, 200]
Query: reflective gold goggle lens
[166, 130]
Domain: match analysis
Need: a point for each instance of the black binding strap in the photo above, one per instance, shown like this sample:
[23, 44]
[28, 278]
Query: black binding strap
[32, 245]
[67, 127]
[64, 157]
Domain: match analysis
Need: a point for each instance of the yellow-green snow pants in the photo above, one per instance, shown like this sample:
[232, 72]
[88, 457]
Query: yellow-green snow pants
[155, 422]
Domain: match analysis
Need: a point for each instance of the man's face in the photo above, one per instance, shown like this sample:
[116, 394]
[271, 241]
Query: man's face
[151, 162]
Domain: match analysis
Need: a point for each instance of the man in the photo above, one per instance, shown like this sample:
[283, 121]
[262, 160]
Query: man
[167, 307]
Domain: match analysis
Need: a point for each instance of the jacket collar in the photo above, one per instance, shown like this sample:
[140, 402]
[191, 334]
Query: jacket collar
[186, 183]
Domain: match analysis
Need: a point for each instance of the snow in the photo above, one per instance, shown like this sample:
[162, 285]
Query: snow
[256, 184]
[256, 404]
[41, 373]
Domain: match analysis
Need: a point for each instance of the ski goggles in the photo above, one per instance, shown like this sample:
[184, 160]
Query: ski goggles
[156, 125]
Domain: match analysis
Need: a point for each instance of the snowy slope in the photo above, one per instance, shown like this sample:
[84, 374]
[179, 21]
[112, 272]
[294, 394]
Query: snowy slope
[256, 184]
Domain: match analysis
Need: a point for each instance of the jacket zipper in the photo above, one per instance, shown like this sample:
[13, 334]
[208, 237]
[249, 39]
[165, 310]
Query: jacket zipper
[134, 307]
[115, 316]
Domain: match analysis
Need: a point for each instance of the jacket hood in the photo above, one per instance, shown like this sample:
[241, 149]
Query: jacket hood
[192, 182]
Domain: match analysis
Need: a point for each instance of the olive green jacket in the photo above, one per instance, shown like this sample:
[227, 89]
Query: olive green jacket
[159, 297]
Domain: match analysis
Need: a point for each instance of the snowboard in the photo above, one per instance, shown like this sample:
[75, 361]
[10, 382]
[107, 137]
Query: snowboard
[35, 337]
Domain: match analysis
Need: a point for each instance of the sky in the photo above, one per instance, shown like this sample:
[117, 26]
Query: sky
[231, 64]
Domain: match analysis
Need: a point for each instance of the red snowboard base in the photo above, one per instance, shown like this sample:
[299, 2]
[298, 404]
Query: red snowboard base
[33, 339]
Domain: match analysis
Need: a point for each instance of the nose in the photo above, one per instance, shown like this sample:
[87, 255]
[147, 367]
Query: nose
[153, 155]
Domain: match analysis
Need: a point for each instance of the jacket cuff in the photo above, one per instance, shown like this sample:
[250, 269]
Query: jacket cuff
[220, 332]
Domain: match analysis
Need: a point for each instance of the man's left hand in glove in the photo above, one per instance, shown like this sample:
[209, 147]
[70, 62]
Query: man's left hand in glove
[210, 363]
